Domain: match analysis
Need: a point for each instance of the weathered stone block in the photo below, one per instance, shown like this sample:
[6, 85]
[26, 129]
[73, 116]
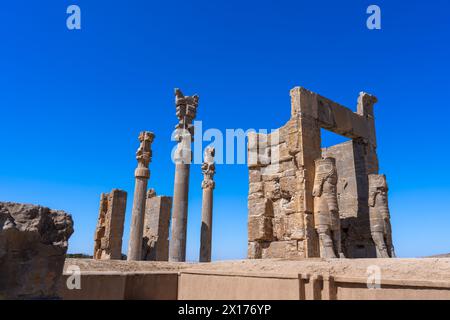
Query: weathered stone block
[288, 185]
[272, 190]
[254, 250]
[254, 175]
[255, 187]
[280, 228]
[260, 228]
[260, 207]
[156, 227]
[33, 244]
[281, 249]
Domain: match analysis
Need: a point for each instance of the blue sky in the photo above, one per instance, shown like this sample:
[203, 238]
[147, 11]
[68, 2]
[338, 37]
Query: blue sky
[73, 102]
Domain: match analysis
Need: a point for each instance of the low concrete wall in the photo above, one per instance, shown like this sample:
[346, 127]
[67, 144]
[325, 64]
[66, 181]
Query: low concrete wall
[346, 288]
[203, 285]
[96, 286]
[152, 286]
[123, 286]
[215, 285]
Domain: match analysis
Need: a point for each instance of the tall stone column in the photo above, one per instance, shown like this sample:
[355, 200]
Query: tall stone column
[208, 184]
[186, 110]
[142, 174]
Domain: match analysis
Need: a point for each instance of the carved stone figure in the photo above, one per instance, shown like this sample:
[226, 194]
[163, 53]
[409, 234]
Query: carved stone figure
[186, 110]
[326, 211]
[380, 221]
[208, 184]
[208, 168]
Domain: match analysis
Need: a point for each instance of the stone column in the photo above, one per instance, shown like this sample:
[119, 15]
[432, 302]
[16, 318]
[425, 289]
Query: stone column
[208, 184]
[186, 110]
[142, 174]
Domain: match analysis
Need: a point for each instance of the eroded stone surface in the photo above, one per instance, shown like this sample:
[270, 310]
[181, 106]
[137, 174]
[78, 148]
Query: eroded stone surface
[156, 227]
[282, 171]
[33, 244]
[109, 231]
[326, 210]
[380, 220]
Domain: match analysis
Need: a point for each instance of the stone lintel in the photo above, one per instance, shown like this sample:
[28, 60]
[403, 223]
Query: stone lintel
[335, 117]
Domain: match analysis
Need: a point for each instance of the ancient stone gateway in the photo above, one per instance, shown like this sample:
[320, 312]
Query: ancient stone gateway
[282, 171]
[109, 231]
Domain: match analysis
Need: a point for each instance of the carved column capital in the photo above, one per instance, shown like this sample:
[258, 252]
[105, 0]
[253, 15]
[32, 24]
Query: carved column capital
[208, 168]
[144, 154]
[186, 110]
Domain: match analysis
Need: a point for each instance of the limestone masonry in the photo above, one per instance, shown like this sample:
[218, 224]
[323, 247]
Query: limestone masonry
[109, 231]
[305, 201]
[156, 227]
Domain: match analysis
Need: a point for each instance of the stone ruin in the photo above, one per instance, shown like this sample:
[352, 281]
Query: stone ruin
[379, 216]
[151, 214]
[305, 201]
[33, 245]
[156, 227]
[109, 231]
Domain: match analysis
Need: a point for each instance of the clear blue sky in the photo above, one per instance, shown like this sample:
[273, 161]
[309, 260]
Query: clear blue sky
[73, 102]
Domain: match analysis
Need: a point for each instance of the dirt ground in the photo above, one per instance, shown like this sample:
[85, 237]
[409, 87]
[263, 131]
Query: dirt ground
[416, 268]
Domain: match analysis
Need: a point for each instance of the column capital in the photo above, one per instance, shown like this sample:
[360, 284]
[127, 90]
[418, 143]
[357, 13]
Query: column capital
[144, 154]
[186, 110]
[208, 168]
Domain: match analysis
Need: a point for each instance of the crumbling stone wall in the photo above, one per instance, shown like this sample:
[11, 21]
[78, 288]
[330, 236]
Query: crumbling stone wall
[109, 231]
[156, 227]
[281, 177]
